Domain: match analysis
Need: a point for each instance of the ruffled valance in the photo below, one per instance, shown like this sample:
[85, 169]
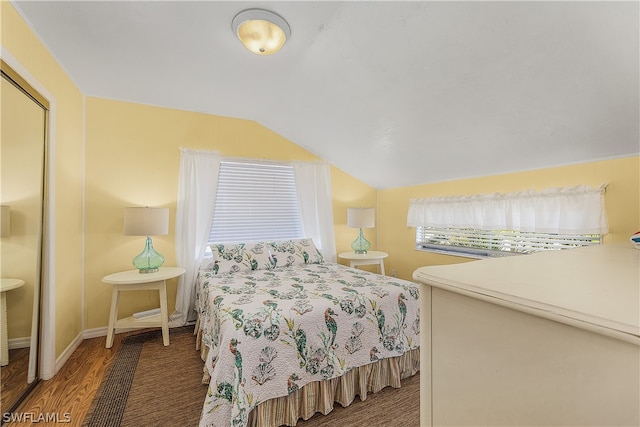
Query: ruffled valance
[570, 210]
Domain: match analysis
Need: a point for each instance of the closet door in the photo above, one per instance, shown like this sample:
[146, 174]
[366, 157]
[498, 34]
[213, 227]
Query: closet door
[23, 138]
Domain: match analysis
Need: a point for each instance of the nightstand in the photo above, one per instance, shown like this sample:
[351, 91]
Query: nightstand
[6, 285]
[370, 258]
[132, 280]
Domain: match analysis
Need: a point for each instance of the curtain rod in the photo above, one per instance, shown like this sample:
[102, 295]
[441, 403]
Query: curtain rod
[263, 160]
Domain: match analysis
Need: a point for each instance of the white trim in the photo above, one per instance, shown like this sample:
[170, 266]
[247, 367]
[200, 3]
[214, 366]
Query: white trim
[22, 342]
[47, 366]
[95, 332]
[102, 331]
[66, 354]
[83, 319]
[47, 359]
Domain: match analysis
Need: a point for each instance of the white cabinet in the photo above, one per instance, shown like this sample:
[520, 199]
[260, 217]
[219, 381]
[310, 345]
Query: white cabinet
[547, 339]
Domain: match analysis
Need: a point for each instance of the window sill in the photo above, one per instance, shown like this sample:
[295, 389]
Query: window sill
[464, 252]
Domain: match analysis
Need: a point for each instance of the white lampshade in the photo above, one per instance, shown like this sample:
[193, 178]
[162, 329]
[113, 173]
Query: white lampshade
[261, 31]
[146, 221]
[361, 217]
[5, 217]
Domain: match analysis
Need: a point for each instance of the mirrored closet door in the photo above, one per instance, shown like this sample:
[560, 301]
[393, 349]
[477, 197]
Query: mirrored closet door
[23, 138]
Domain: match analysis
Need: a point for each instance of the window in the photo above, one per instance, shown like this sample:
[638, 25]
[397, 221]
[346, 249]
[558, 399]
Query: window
[486, 225]
[473, 243]
[255, 201]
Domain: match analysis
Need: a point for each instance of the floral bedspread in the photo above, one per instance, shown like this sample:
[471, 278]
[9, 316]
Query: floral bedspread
[271, 332]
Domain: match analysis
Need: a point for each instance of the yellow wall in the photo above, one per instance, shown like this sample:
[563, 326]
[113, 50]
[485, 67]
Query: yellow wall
[622, 200]
[133, 159]
[18, 39]
[351, 193]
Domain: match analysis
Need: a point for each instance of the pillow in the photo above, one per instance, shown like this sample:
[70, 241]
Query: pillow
[236, 257]
[285, 253]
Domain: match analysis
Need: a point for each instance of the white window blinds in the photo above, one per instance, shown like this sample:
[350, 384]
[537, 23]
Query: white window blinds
[255, 201]
[493, 243]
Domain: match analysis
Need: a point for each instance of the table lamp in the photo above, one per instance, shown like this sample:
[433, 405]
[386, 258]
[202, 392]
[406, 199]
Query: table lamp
[361, 218]
[145, 221]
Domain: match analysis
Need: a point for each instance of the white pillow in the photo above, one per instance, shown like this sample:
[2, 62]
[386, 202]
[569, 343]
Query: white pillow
[239, 256]
[286, 253]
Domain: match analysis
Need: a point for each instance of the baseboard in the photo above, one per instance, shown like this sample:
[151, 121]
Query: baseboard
[102, 332]
[22, 342]
[66, 354]
[94, 333]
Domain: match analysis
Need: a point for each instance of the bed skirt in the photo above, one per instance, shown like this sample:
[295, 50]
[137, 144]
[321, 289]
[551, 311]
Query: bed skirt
[320, 396]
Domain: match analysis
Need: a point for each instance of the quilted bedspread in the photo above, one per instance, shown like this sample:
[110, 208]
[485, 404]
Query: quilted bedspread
[270, 332]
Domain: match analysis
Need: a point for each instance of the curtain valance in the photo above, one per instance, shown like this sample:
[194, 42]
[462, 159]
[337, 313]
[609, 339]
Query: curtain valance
[570, 210]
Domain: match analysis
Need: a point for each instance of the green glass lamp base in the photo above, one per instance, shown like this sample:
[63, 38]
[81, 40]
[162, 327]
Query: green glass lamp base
[148, 261]
[360, 245]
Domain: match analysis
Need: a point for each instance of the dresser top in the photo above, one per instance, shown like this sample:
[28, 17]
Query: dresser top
[595, 284]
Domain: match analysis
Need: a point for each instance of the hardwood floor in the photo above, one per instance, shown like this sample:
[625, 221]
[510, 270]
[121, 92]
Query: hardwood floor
[13, 377]
[67, 397]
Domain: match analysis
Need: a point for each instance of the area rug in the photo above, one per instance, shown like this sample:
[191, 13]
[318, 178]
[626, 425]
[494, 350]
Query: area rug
[150, 384]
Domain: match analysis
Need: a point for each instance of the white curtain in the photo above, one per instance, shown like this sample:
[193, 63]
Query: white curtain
[197, 187]
[571, 210]
[313, 186]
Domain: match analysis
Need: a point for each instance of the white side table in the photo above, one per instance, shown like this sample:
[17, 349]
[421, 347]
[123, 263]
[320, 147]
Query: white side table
[370, 258]
[132, 280]
[6, 285]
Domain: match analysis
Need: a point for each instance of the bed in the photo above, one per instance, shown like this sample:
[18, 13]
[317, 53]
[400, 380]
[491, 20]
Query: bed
[283, 333]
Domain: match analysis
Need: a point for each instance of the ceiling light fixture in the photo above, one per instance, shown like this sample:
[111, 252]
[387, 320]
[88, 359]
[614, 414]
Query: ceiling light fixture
[261, 31]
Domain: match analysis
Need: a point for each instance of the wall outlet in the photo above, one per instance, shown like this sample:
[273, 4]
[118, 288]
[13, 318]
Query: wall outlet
[394, 273]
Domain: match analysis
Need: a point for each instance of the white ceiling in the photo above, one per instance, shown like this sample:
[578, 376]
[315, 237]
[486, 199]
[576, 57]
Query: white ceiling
[393, 93]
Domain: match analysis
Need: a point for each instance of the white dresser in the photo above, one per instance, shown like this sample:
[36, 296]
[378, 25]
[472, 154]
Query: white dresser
[546, 339]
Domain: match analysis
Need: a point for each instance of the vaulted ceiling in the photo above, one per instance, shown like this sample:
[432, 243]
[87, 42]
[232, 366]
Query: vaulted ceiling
[394, 93]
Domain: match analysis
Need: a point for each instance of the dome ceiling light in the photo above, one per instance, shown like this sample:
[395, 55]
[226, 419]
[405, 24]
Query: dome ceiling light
[261, 31]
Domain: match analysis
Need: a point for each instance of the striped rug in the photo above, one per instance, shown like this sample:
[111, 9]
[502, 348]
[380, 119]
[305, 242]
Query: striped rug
[149, 384]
